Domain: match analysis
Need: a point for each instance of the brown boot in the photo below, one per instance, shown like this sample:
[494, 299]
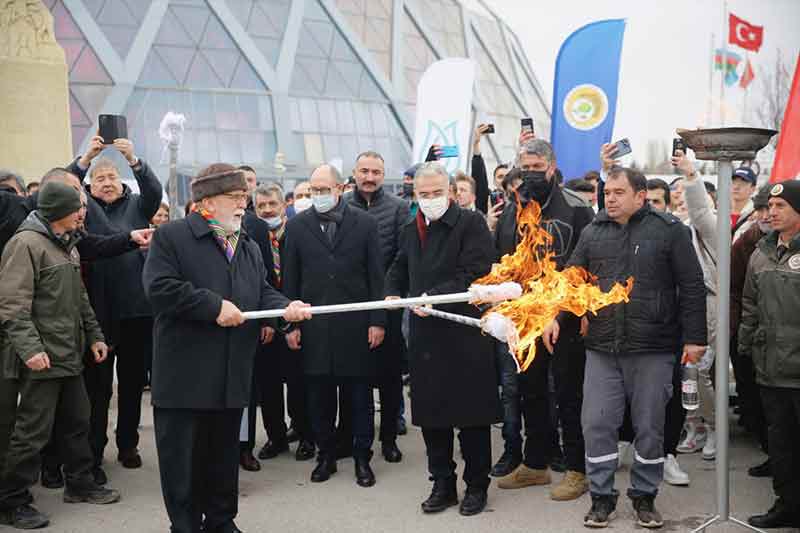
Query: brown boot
[524, 477]
[571, 487]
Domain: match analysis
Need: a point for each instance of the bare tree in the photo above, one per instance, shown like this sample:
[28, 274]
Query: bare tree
[775, 83]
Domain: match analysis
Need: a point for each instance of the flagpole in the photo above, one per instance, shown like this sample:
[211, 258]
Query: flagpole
[746, 88]
[709, 104]
[724, 64]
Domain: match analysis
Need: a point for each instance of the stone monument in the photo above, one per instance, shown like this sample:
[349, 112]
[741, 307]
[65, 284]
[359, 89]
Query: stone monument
[35, 133]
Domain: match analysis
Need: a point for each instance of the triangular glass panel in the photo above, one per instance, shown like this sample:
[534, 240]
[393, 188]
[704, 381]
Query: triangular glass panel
[116, 13]
[308, 75]
[94, 6]
[341, 49]
[76, 113]
[322, 34]
[88, 69]
[242, 10]
[350, 73]
[64, 25]
[72, 51]
[216, 36]
[245, 77]
[91, 97]
[368, 88]
[271, 48]
[138, 8]
[156, 73]
[177, 60]
[202, 75]
[193, 19]
[122, 39]
[259, 24]
[337, 86]
[172, 32]
[223, 62]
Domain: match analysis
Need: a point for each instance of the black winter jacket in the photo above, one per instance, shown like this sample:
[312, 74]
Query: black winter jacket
[391, 213]
[120, 279]
[667, 307]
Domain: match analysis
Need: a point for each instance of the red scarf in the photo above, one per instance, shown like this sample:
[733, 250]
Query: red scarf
[422, 228]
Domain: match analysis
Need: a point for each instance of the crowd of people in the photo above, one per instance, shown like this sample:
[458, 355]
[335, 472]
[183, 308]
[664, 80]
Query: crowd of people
[97, 282]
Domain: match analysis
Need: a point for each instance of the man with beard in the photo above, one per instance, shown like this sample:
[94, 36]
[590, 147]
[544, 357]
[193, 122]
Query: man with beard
[201, 273]
[454, 382]
[564, 216]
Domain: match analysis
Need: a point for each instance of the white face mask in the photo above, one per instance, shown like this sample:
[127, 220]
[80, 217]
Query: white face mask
[274, 222]
[324, 202]
[434, 208]
[301, 204]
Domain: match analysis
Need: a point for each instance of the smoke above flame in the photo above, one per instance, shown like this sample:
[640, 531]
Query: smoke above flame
[546, 291]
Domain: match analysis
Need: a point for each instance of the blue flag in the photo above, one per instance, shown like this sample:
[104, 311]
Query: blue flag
[585, 95]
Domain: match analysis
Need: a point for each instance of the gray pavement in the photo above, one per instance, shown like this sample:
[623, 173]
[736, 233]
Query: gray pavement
[280, 498]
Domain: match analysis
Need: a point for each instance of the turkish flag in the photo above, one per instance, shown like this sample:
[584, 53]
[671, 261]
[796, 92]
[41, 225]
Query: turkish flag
[787, 157]
[744, 34]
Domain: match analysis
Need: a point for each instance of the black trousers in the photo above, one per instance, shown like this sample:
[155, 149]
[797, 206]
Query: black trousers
[568, 368]
[390, 390]
[9, 392]
[134, 360]
[476, 449]
[198, 458]
[782, 407]
[274, 406]
[749, 395]
[42, 401]
[322, 408]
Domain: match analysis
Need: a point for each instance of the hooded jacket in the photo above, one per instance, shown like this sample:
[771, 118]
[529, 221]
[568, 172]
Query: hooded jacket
[43, 303]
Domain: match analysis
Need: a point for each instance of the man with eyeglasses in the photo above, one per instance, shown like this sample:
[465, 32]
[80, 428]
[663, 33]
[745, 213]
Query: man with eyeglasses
[332, 256]
[201, 273]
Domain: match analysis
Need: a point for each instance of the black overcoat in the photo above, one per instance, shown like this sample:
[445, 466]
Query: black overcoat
[452, 366]
[197, 364]
[322, 273]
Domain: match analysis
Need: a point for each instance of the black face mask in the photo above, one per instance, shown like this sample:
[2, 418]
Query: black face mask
[408, 190]
[535, 186]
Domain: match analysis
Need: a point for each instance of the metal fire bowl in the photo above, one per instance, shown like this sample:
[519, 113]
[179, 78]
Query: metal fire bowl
[726, 144]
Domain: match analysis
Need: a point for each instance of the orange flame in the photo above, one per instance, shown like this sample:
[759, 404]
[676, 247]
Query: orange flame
[546, 291]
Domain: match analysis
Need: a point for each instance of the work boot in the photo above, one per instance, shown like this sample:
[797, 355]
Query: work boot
[24, 517]
[778, 516]
[442, 496]
[603, 511]
[524, 477]
[95, 495]
[571, 487]
[474, 502]
[646, 514]
[507, 463]
[52, 478]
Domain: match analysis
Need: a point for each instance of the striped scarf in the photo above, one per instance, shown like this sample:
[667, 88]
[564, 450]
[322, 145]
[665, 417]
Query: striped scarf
[226, 242]
[275, 246]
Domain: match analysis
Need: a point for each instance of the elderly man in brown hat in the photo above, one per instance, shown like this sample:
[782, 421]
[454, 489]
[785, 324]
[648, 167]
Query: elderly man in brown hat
[201, 273]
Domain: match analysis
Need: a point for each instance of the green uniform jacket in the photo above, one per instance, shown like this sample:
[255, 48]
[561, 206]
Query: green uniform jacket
[770, 328]
[43, 303]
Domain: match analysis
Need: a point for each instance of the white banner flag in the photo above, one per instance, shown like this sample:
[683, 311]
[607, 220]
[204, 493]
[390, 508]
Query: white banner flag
[444, 105]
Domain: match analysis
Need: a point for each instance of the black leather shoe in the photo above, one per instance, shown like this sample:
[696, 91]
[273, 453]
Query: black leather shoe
[99, 475]
[474, 502]
[248, 462]
[305, 451]
[292, 436]
[402, 428]
[762, 470]
[391, 452]
[52, 478]
[130, 458]
[227, 528]
[324, 470]
[365, 477]
[507, 463]
[272, 450]
[778, 516]
[442, 496]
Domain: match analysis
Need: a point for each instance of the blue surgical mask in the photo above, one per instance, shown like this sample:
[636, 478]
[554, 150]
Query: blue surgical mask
[274, 222]
[324, 202]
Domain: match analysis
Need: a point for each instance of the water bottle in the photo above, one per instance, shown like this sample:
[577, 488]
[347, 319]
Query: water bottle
[689, 395]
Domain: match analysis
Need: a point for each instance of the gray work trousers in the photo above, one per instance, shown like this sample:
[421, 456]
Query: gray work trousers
[644, 381]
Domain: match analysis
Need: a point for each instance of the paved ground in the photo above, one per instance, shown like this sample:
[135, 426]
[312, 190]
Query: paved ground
[280, 498]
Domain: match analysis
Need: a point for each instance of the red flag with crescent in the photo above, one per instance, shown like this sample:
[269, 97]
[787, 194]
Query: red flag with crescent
[744, 34]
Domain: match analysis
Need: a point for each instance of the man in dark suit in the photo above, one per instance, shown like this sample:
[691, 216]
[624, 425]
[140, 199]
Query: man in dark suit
[201, 272]
[454, 380]
[333, 256]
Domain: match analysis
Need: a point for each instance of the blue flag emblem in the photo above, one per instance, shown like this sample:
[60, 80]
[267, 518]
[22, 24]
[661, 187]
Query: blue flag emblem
[585, 95]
